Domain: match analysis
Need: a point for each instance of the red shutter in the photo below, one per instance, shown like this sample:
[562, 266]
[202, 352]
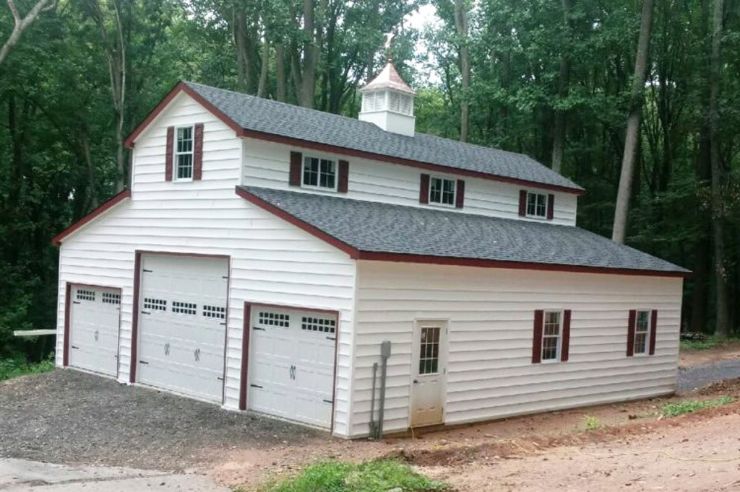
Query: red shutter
[246, 323]
[565, 345]
[168, 153]
[631, 333]
[653, 330]
[460, 194]
[522, 203]
[550, 206]
[198, 153]
[537, 337]
[296, 164]
[343, 181]
[424, 189]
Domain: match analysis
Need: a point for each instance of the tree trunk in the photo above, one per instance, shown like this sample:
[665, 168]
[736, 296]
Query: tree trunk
[246, 45]
[310, 56]
[280, 75]
[720, 274]
[558, 141]
[20, 24]
[631, 141]
[461, 25]
[264, 69]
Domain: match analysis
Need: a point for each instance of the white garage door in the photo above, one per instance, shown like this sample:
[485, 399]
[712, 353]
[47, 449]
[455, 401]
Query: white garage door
[95, 315]
[182, 324]
[291, 364]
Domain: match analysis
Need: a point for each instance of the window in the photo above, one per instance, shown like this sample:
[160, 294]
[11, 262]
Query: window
[442, 191]
[183, 307]
[214, 312]
[184, 154]
[111, 298]
[319, 173]
[155, 304]
[551, 336]
[642, 332]
[536, 205]
[85, 295]
[324, 325]
[429, 350]
[274, 319]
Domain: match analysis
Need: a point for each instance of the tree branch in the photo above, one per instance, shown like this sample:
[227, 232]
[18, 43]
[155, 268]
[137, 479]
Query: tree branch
[22, 23]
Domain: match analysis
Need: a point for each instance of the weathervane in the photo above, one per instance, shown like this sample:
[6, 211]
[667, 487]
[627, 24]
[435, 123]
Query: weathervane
[388, 40]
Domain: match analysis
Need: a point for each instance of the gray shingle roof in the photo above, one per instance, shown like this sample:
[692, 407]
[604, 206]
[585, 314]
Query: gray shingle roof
[276, 118]
[386, 228]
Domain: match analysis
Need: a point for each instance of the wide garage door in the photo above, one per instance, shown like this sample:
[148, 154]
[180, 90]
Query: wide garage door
[291, 364]
[95, 314]
[182, 324]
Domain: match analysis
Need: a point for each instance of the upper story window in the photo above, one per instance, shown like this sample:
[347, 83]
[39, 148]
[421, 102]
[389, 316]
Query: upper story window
[319, 173]
[442, 191]
[642, 332]
[184, 154]
[551, 336]
[536, 205]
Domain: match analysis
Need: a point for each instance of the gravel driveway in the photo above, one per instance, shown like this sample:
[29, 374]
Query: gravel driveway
[695, 377]
[70, 417]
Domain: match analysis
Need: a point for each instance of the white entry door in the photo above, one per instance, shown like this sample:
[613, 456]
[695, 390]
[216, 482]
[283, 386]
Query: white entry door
[429, 373]
[95, 314]
[291, 364]
[182, 324]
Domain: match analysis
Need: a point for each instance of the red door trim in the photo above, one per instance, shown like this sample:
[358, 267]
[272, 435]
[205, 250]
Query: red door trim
[67, 319]
[248, 305]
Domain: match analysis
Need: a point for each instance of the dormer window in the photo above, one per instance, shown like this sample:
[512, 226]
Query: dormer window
[319, 173]
[442, 191]
[184, 154]
[537, 205]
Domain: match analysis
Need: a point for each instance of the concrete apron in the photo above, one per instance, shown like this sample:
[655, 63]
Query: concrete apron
[23, 475]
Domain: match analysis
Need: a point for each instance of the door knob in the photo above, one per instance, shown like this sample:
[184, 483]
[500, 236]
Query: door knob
[416, 381]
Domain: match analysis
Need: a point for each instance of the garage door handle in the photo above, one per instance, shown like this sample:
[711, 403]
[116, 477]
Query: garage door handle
[76, 348]
[258, 328]
[255, 386]
[328, 401]
[75, 302]
[331, 338]
[220, 378]
[143, 362]
[145, 312]
[416, 381]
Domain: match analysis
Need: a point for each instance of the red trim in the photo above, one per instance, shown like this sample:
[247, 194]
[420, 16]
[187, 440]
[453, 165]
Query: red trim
[198, 153]
[565, 345]
[245, 356]
[135, 319]
[539, 315]
[102, 208]
[343, 181]
[550, 206]
[67, 318]
[483, 263]
[182, 87]
[631, 333]
[654, 329]
[169, 150]
[424, 188]
[296, 165]
[352, 252]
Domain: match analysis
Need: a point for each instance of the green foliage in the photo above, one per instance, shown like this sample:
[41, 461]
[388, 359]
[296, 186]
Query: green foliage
[689, 406]
[706, 344]
[372, 476]
[19, 366]
[592, 423]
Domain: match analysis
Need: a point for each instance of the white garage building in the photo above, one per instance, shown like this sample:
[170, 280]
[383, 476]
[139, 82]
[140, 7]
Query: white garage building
[264, 251]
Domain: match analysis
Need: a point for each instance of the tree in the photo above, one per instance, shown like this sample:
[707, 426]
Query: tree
[21, 23]
[558, 140]
[632, 137]
[461, 25]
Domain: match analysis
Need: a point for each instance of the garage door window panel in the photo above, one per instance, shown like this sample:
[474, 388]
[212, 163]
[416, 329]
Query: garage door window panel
[323, 325]
[180, 307]
[218, 312]
[85, 295]
[111, 298]
[155, 304]
[269, 318]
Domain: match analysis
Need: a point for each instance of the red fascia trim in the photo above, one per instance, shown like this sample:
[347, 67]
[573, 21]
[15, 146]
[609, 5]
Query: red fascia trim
[399, 160]
[271, 137]
[135, 319]
[67, 317]
[474, 262]
[102, 208]
[351, 251]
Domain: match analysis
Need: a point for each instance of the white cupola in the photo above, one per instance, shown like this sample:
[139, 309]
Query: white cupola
[388, 102]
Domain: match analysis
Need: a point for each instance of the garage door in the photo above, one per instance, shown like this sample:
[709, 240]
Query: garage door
[291, 373]
[95, 314]
[182, 324]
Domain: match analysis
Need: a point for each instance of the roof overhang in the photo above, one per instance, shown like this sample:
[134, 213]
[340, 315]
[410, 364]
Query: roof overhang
[358, 254]
[100, 210]
[182, 87]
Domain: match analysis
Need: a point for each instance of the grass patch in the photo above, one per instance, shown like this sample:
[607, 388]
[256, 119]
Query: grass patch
[706, 344]
[689, 406]
[372, 476]
[592, 423]
[19, 366]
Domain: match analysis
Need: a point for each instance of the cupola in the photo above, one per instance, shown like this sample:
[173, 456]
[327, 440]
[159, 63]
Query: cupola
[388, 102]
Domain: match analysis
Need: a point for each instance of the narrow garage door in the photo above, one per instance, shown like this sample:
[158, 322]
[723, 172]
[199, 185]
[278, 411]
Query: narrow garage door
[95, 314]
[182, 324]
[291, 373]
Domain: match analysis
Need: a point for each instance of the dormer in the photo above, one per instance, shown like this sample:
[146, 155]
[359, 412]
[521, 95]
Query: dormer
[388, 102]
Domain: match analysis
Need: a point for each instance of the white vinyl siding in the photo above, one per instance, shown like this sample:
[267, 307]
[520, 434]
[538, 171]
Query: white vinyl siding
[267, 164]
[271, 260]
[489, 312]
